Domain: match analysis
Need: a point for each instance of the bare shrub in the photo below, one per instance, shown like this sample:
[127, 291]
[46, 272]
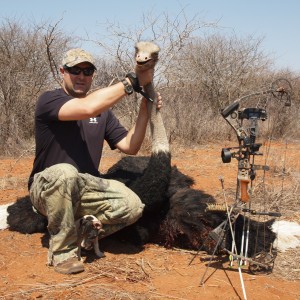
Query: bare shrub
[223, 68]
[198, 75]
[170, 33]
[24, 75]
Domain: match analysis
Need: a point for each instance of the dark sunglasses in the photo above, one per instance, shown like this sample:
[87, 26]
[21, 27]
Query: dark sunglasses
[77, 70]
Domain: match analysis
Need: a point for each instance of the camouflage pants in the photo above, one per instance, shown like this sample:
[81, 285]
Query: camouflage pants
[64, 195]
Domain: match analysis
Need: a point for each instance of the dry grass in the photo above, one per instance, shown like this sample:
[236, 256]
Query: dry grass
[287, 265]
[9, 182]
[116, 270]
[103, 279]
[287, 202]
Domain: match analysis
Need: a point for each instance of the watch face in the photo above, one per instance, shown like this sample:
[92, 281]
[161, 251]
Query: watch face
[127, 87]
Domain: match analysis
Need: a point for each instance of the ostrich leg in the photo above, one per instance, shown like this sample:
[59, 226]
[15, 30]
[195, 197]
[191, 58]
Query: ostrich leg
[146, 57]
[153, 184]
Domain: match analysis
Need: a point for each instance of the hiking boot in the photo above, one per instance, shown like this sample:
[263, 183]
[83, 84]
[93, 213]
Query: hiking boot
[70, 266]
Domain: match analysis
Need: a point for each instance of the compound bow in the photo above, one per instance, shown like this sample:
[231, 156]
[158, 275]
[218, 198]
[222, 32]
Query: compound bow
[245, 124]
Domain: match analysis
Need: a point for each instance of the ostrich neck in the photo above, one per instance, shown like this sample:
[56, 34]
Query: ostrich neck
[158, 132]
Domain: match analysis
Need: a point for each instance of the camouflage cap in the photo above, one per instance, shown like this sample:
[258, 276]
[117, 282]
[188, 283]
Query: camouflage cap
[76, 56]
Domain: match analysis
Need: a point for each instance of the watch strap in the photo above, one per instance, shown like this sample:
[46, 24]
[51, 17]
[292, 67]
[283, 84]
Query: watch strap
[127, 87]
[134, 82]
[135, 86]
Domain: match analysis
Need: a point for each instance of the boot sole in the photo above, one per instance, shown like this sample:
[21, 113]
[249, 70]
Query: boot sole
[73, 270]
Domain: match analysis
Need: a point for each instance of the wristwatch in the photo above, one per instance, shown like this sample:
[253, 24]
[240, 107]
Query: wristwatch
[127, 87]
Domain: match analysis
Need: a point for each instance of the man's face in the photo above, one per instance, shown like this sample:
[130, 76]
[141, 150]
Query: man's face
[77, 85]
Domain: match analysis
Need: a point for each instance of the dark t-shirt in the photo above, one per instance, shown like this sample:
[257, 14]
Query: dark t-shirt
[78, 143]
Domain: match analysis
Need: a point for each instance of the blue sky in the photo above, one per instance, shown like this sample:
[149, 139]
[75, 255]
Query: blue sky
[277, 21]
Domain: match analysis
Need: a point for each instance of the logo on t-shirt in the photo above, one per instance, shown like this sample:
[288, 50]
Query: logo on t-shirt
[93, 121]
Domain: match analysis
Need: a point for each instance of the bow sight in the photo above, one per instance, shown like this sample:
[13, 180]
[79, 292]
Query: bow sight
[246, 140]
[247, 144]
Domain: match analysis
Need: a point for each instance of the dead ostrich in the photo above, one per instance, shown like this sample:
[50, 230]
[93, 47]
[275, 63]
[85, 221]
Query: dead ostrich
[175, 214]
[149, 177]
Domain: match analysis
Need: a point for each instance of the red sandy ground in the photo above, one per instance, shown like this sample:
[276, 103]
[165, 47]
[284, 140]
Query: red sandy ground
[127, 272]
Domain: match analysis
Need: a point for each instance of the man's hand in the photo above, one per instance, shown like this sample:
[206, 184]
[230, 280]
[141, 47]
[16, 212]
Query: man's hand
[159, 101]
